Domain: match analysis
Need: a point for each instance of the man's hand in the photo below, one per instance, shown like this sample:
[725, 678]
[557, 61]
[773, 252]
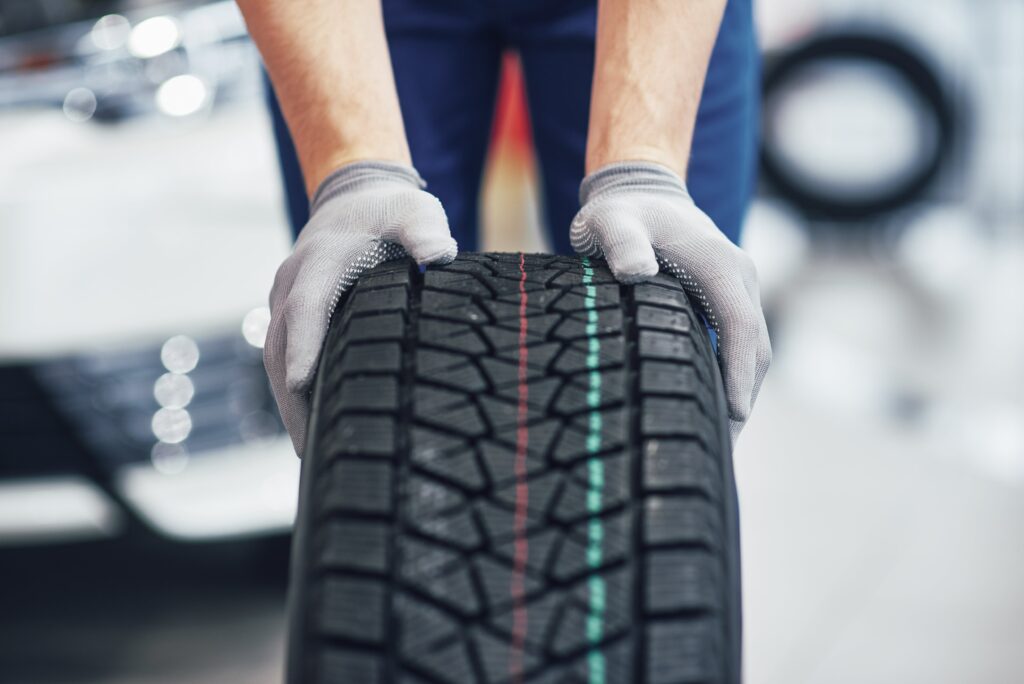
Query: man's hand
[361, 215]
[639, 215]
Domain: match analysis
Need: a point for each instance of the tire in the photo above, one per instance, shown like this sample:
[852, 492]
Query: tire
[471, 513]
[894, 56]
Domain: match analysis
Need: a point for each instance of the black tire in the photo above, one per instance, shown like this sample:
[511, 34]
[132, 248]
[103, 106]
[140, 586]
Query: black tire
[438, 542]
[893, 55]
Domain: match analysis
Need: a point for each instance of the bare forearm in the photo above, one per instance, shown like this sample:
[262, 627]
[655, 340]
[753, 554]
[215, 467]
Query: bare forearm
[329, 63]
[651, 59]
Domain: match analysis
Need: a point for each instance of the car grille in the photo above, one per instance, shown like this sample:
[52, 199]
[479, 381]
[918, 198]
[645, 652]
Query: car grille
[99, 409]
[34, 440]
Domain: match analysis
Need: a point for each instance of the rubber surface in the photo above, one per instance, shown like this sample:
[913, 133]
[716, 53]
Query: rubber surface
[518, 471]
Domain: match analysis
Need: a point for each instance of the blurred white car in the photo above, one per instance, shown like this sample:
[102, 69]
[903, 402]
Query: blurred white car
[136, 253]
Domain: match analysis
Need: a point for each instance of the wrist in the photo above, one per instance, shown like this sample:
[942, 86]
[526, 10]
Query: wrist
[351, 175]
[316, 171]
[631, 175]
[602, 154]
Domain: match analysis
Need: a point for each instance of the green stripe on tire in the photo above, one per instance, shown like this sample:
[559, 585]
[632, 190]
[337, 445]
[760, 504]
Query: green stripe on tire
[595, 485]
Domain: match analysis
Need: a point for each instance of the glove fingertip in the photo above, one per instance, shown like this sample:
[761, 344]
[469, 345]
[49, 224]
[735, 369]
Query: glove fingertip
[300, 365]
[633, 270]
[299, 377]
[298, 435]
[441, 255]
[735, 428]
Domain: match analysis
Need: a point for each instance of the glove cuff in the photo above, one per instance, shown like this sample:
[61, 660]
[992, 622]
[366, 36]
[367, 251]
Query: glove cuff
[630, 175]
[358, 173]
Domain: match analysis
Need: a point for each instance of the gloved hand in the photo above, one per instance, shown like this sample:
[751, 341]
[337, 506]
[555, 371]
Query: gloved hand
[639, 215]
[362, 214]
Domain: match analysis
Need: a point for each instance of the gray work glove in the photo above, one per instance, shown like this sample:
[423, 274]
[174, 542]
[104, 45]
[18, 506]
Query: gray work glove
[639, 215]
[361, 215]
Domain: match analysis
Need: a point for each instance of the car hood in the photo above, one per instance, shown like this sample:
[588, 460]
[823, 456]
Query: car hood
[111, 235]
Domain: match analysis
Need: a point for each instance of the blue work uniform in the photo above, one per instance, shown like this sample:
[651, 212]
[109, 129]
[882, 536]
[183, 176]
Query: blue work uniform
[446, 56]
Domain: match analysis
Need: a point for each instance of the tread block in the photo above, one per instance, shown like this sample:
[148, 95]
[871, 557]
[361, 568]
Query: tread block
[362, 435]
[505, 372]
[351, 608]
[361, 300]
[575, 396]
[452, 369]
[654, 318]
[396, 272]
[679, 464]
[615, 596]
[500, 413]
[574, 298]
[424, 497]
[435, 301]
[422, 626]
[458, 529]
[459, 467]
[446, 335]
[388, 327]
[540, 492]
[539, 326]
[499, 460]
[464, 420]
[429, 361]
[681, 520]
[613, 471]
[466, 377]
[454, 589]
[496, 578]
[356, 486]
[428, 399]
[666, 377]
[446, 662]
[495, 652]
[655, 344]
[683, 652]
[571, 634]
[609, 322]
[453, 281]
[575, 357]
[542, 547]
[539, 393]
[646, 293]
[681, 580]
[614, 427]
[433, 441]
[347, 665]
[572, 275]
[498, 522]
[676, 417]
[369, 393]
[542, 614]
[539, 357]
[617, 667]
[574, 557]
[385, 357]
[421, 560]
[357, 544]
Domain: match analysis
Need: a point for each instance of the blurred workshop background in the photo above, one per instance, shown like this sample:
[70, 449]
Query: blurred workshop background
[146, 487]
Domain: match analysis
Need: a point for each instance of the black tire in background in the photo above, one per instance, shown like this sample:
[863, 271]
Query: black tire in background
[922, 85]
[518, 471]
